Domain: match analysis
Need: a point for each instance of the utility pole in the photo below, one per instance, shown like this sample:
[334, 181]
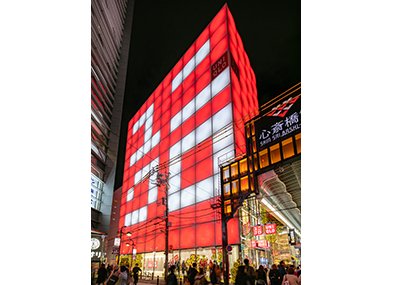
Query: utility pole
[163, 179]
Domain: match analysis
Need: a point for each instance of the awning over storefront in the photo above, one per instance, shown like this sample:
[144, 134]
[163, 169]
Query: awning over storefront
[280, 191]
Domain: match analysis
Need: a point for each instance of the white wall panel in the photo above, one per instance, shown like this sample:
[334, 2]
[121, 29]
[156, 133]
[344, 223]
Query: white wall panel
[203, 97]
[222, 118]
[187, 196]
[142, 214]
[220, 82]
[176, 121]
[204, 189]
[204, 131]
[130, 194]
[188, 110]
[174, 201]
[188, 142]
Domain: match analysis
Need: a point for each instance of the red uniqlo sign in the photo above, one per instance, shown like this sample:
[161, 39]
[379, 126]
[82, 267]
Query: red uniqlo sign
[186, 127]
[270, 229]
[257, 230]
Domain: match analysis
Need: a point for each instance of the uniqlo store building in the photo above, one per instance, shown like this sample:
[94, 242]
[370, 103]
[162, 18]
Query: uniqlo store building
[192, 123]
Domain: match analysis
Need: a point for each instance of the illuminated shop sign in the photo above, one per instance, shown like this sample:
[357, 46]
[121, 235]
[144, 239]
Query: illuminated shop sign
[259, 244]
[96, 248]
[186, 126]
[283, 121]
[270, 229]
[257, 230]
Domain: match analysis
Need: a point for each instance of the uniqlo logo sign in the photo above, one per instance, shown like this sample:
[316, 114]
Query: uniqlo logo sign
[270, 229]
[185, 128]
[257, 230]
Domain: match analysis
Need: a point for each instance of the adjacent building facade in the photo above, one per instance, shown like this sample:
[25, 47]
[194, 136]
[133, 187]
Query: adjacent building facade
[110, 38]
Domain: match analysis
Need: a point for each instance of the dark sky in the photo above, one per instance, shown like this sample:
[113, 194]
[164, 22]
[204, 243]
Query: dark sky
[164, 30]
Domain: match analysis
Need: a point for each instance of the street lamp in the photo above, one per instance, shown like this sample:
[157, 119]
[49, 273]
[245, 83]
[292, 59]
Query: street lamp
[121, 234]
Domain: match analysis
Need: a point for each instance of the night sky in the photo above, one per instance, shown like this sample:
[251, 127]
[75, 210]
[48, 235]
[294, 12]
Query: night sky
[162, 32]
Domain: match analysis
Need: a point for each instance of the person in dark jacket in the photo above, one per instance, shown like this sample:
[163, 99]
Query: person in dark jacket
[192, 272]
[261, 276]
[241, 277]
[102, 274]
[274, 276]
[213, 274]
[135, 273]
[282, 270]
[172, 279]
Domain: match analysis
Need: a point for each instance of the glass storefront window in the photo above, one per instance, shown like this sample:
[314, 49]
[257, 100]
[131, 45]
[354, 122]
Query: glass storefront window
[244, 183]
[298, 144]
[235, 186]
[275, 155]
[234, 171]
[225, 175]
[263, 158]
[227, 207]
[227, 189]
[287, 148]
[243, 166]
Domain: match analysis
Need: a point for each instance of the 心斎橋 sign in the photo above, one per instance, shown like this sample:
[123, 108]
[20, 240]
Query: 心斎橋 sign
[281, 122]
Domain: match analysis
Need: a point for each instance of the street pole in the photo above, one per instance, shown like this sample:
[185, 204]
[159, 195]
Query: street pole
[166, 229]
[225, 258]
[118, 255]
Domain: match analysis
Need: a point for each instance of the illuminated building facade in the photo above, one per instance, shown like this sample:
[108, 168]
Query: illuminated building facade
[191, 122]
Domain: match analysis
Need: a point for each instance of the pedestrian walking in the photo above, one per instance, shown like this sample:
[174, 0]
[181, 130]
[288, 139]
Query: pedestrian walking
[172, 279]
[282, 270]
[241, 277]
[250, 271]
[200, 278]
[274, 276]
[261, 276]
[123, 276]
[114, 277]
[135, 273]
[213, 274]
[192, 272]
[290, 278]
[102, 274]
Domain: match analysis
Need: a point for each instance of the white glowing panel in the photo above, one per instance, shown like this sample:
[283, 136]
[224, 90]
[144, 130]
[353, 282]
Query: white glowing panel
[136, 127]
[220, 82]
[174, 182]
[177, 81]
[138, 177]
[175, 150]
[134, 217]
[188, 68]
[152, 195]
[155, 140]
[147, 146]
[149, 111]
[175, 167]
[221, 156]
[188, 110]
[176, 121]
[148, 133]
[174, 201]
[204, 189]
[133, 159]
[139, 153]
[222, 118]
[223, 139]
[127, 220]
[187, 196]
[130, 194]
[202, 52]
[142, 214]
[188, 141]
[203, 97]
[204, 131]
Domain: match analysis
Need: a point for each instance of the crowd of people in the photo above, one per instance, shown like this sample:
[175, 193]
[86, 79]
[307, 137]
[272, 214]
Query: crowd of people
[245, 275]
[281, 275]
[123, 275]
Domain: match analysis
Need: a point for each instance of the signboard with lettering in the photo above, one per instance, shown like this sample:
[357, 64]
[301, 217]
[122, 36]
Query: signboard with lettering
[270, 229]
[257, 230]
[281, 122]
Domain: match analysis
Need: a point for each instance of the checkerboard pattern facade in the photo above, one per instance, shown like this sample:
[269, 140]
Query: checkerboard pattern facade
[193, 119]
